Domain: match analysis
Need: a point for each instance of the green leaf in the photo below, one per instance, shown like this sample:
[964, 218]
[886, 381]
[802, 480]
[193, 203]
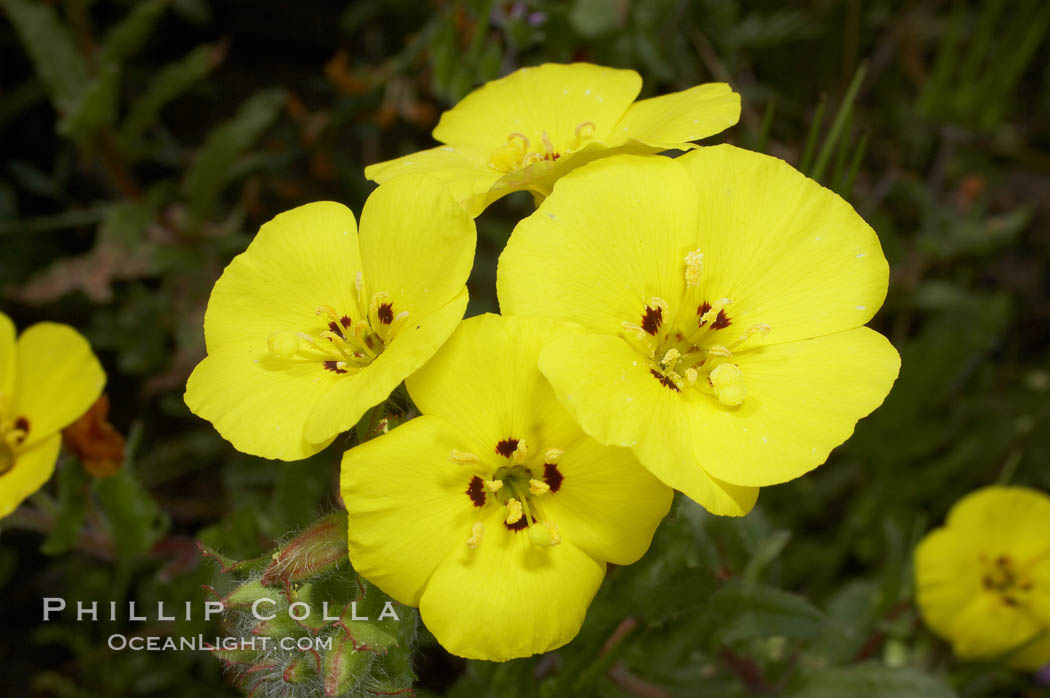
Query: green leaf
[134, 519]
[97, 106]
[207, 174]
[871, 680]
[72, 481]
[740, 611]
[168, 83]
[130, 34]
[48, 42]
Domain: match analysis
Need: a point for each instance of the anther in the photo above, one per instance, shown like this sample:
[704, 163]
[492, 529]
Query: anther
[463, 458]
[522, 137]
[494, 486]
[513, 511]
[719, 350]
[691, 375]
[521, 451]
[694, 263]
[635, 330]
[760, 329]
[538, 487]
[547, 144]
[670, 358]
[657, 302]
[712, 313]
[477, 532]
[552, 455]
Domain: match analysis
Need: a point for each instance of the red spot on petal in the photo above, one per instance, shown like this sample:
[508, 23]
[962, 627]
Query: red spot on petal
[507, 447]
[664, 380]
[385, 313]
[653, 318]
[333, 366]
[345, 321]
[722, 321]
[519, 525]
[552, 476]
[476, 491]
[334, 327]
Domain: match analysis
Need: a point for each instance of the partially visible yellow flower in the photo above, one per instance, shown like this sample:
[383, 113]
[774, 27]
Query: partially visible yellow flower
[527, 129]
[983, 579]
[313, 324]
[493, 512]
[723, 295]
[48, 378]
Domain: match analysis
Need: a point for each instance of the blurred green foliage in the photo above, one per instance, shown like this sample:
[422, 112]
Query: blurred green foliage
[145, 142]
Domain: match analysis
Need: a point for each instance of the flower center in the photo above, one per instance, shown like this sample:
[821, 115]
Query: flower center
[344, 345]
[13, 434]
[515, 485]
[519, 152]
[692, 351]
[1004, 577]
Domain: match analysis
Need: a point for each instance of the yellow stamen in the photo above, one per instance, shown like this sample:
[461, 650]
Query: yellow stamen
[694, 263]
[513, 511]
[494, 486]
[635, 330]
[719, 350]
[547, 144]
[477, 532]
[329, 311]
[712, 314]
[760, 329]
[728, 382]
[283, 344]
[584, 125]
[670, 358]
[552, 455]
[657, 302]
[538, 487]
[463, 458]
[691, 375]
[521, 451]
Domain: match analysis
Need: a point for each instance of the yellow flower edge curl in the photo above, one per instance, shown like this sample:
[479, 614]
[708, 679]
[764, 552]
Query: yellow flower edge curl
[314, 323]
[493, 512]
[983, 579]
[527, 129]
[48, 378]
[722, 296]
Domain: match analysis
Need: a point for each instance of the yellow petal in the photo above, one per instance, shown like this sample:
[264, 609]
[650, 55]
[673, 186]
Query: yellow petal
[7, 359]
[672, 120]
[508, 598]
[57, 380]
[258, 402]
[609, 390]
[802, 400]
[987, 628]
[607, 505]
[611, 237]
[551, 98]
[300, 260]
[484, 380]
[407, 504]
[789, 253]
[342, 406]
[1012, 520]
[33, 467]
[463, 168]
[417, 244]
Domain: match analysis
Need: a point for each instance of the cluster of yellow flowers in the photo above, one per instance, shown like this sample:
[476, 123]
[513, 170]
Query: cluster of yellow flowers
[692, 323]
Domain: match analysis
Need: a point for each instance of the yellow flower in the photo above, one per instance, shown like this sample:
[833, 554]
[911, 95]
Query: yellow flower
[723, 295]
[313, 324]
[493, 512]
[48, 378]
[525, 130]
[983, 580]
